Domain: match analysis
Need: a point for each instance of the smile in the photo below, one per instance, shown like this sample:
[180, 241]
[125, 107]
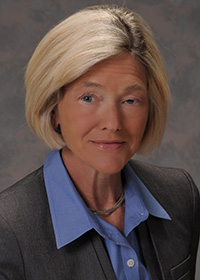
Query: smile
[108, 145]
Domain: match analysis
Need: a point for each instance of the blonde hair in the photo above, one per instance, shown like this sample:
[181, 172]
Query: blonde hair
[76, 44]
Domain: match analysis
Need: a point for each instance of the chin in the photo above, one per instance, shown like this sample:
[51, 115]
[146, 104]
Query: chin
[110, 166]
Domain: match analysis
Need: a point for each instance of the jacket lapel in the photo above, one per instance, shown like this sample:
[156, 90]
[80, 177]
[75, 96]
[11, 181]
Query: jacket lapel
[161, 233]
[149, 252]
[153, 233]
[102, 256]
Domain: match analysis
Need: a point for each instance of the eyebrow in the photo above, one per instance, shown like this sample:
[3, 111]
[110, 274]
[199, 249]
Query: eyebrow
[135, 87]
[92, 84]
[131, 87]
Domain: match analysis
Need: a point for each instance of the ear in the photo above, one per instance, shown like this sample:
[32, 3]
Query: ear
[54, 117]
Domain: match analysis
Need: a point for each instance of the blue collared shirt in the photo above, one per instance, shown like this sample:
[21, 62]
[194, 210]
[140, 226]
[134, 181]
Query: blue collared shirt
[71, 218]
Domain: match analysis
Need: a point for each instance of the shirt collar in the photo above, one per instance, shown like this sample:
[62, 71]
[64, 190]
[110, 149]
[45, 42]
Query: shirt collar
[151, 204]
[66, 207]
[70, 215]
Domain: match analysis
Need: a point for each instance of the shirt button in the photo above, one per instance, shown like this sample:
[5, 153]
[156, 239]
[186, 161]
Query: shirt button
[130, 262]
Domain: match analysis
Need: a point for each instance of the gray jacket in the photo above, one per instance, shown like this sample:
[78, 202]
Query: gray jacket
[27, 243]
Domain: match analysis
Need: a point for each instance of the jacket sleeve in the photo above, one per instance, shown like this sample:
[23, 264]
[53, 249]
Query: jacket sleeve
[195, 217]
[11, 262]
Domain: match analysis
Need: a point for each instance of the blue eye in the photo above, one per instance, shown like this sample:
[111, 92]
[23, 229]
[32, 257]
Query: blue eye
[130, 101]
[87, 98]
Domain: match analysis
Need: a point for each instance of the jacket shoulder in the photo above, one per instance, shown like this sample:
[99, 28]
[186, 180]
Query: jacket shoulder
[23, 197]
[173, 187]
[26, 182]
[160, 171]
[158, 175]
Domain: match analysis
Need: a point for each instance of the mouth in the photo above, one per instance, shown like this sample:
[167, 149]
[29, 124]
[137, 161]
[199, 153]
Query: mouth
[108, 145]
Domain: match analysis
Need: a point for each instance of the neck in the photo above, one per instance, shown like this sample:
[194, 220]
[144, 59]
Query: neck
[98, 190]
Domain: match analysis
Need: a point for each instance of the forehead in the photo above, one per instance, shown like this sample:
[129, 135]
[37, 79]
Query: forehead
[123, 64]
[117, 71]
[120, 71]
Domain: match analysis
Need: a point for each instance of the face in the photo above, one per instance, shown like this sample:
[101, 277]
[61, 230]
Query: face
[103, 115]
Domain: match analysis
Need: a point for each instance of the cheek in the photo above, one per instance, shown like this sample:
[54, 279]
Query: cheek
[136, 124]
[75, 128]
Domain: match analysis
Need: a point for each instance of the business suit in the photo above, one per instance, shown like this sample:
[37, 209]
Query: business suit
[27, 242]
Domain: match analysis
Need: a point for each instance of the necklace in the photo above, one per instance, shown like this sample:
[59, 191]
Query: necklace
[119, 203]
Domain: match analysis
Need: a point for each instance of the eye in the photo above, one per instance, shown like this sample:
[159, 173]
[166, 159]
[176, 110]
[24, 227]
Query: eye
[87, 98]
[131, 101]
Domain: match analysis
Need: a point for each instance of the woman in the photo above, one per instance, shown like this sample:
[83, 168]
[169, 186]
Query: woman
[97, 94]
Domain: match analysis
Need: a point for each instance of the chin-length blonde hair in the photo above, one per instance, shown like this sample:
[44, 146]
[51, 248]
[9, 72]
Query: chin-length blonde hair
[76, 44]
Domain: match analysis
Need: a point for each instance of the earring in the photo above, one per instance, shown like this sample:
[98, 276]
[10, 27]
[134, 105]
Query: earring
[58, 129]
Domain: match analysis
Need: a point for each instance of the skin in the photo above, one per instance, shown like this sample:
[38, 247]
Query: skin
[103, 115]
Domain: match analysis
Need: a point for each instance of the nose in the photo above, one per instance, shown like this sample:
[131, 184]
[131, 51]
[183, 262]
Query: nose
[111, 118]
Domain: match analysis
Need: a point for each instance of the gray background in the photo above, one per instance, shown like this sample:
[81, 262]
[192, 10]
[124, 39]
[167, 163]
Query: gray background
[176, 25]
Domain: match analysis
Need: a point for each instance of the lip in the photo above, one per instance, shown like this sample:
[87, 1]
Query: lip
[107, 144]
